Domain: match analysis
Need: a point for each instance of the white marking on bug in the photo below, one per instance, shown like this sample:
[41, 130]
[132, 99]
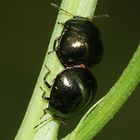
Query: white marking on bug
[66, 82]
[76, 44]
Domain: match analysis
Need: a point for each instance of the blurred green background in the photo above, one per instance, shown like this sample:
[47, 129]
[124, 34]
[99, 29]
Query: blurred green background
[25, 30]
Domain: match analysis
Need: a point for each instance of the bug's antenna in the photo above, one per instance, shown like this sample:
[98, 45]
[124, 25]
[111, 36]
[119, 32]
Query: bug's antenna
[53, 4]
[99, 16]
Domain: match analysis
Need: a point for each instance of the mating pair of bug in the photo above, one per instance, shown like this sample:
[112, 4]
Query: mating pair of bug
[78, 48]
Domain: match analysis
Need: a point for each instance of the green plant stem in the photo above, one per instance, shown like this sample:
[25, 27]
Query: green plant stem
[96, 119]
[49, 131]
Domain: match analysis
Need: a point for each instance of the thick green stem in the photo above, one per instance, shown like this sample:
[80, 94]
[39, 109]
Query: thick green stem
[49, 131]
[96, 118]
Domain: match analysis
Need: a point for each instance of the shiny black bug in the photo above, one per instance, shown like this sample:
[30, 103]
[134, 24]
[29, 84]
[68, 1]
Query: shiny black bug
[79, 47]
[79, 43]
[73, 89]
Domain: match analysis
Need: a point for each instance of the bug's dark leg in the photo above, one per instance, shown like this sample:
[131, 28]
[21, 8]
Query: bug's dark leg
[45, 110]
[59, 118]
[61, 23]
[45, 81]
[55, 41]
[46, 120]
[44, 96]
[47, 84]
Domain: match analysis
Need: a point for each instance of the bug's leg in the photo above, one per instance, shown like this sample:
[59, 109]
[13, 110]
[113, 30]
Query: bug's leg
[45, 110]
[61, 23]
[55, 41]
[46, 120]
[45, 81]
[47, 84]
[44, 97]
[64, 123]
[60, 119]
[44, 94]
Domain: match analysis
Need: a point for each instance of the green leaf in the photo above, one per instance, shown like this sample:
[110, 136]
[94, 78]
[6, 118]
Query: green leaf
[98, 116]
